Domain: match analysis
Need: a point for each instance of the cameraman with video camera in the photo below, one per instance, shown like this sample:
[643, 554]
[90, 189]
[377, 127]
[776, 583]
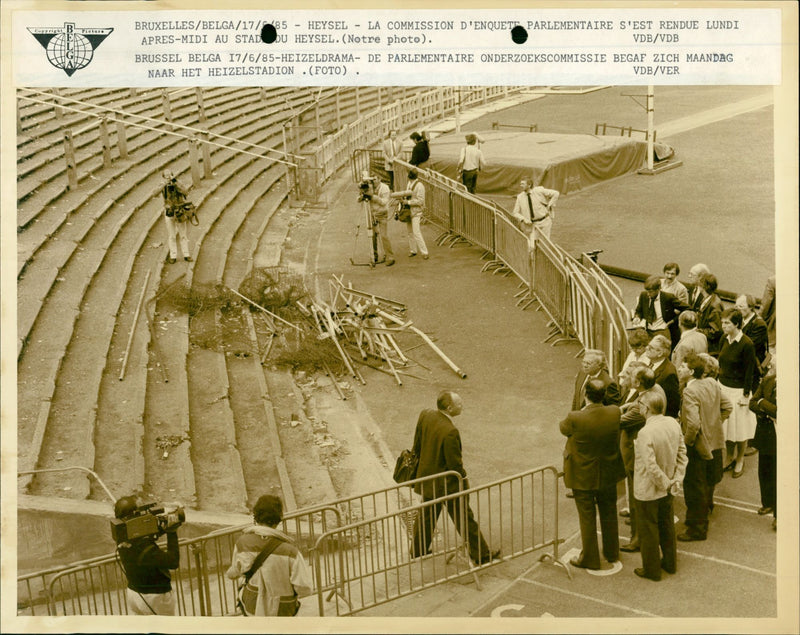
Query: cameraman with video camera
[136, 529]
[376, 194]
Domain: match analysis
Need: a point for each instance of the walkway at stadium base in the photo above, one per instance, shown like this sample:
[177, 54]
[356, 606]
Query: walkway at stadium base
[731, 574]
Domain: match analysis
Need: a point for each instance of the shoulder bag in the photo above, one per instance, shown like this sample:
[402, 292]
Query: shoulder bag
[247, 594]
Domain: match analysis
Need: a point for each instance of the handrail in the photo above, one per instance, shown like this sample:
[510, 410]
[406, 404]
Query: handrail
[72, 467]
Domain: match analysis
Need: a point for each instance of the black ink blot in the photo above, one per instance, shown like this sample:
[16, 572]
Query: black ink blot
[268, 34]
[519, 35]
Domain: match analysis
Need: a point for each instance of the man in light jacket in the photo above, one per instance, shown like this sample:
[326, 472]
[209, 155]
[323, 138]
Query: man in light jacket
[659, 466]
[283, 575]
[703, 409]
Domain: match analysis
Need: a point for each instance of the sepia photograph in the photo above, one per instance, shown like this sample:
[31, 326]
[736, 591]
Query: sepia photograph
[411, 354]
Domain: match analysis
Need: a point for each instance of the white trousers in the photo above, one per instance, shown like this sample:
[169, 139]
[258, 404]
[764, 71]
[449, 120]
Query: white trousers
[174, 228]
[415, 240]
[160, 603]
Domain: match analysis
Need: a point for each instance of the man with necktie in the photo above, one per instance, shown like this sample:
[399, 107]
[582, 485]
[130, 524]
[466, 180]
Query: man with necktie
[535, 208]
[658, 311]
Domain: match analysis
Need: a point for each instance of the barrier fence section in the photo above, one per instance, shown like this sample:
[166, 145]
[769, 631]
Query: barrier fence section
[550, 285]
[580, 299]
[97, 586]
[371, 561]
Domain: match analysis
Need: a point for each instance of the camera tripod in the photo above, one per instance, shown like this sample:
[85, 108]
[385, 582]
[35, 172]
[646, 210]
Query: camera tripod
[372, 238]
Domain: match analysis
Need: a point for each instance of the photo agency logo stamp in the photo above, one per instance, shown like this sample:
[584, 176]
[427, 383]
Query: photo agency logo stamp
[68, 48]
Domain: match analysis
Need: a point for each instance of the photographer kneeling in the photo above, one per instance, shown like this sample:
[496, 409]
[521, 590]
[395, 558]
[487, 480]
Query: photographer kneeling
[145, 564]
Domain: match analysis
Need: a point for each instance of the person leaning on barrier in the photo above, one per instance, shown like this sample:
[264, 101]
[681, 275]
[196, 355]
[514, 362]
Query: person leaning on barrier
[437, 443]
[147, 566]
[535, 207]
[174, 199]
[283, 574]
[414, 199]
[658, 311]
[470, 163]
[379, 199]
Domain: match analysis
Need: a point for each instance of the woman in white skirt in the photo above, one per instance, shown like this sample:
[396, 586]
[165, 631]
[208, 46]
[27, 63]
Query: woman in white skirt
[738, 374]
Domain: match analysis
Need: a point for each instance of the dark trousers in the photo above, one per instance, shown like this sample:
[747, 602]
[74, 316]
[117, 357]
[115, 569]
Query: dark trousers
[589, 502]
[425, 524]
[698, 491]
[390, 174]
[632, 511]
[768, 481]
[657, 530]
[470, 179]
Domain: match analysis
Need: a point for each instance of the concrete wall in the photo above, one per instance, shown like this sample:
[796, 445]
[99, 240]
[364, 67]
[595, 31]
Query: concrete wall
[53, 532]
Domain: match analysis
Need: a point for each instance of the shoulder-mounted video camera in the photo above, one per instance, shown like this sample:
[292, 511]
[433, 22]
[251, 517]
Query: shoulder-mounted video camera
[147, 519]
[365, 190]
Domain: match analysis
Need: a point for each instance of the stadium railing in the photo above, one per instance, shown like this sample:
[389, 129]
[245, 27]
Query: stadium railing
[97, 586]
[517, 514]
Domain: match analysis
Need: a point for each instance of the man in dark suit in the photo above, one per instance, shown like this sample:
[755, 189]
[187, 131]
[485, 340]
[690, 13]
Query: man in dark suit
[754, 326]
[592, 468]
[437, 443]
[709, 313]
[666, 376]
[594, 366]
[695, 293]
[658, 311]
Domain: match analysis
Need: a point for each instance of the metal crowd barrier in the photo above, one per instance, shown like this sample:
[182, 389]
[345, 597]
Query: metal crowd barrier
[371, 560]
[97, 586]
[550, 286]
[580, 299]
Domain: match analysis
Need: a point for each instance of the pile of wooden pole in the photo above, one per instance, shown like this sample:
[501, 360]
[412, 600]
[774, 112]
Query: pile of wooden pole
[363, 326]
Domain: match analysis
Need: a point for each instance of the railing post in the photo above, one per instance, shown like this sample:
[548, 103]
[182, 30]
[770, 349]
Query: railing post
[202, 580]
[165, 106]
[132, 92]
[57, 110]
[338, 107]
[208, 170]
[201, 107]
[122, 140]
[358, 103]
[69, 156]
[19, 119]
[263, 93]
[106, 141]
[194, 162]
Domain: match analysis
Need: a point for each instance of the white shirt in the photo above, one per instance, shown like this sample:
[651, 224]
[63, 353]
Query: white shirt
[471, 158]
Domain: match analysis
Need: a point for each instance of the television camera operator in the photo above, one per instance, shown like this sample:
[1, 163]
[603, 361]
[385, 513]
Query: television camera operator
[136, 530]
[376, 194]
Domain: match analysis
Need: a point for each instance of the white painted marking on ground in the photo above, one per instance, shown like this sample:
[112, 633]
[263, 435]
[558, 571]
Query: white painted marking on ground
[589, 598]
[498, 612]
[727, 562]
[575, 552]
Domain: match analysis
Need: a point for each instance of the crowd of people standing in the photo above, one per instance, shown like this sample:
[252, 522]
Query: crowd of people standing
[696, 395]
